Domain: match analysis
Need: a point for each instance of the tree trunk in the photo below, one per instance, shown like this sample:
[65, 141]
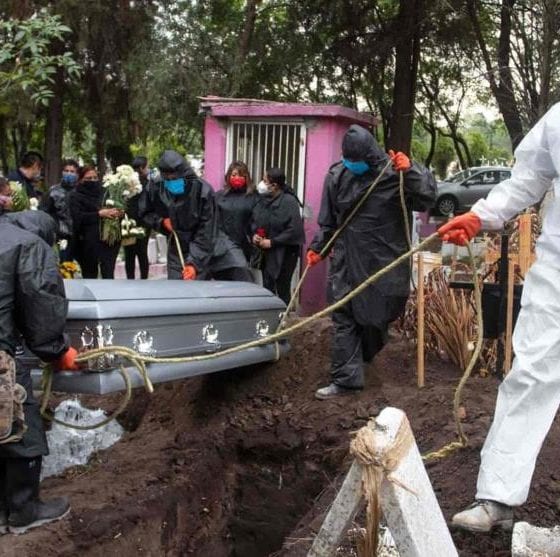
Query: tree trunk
[239, 74]
[54, 132]
[433, 141]
[406, 70]
[100, 149]
[4, 146]
[502, 90]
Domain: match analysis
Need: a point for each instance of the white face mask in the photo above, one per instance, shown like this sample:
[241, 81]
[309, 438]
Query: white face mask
[263, 188]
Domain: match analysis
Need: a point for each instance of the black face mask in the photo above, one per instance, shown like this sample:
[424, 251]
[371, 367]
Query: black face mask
[94, 184]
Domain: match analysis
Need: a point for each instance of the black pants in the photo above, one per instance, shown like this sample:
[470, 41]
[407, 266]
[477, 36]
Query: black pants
[281, 285]
[137, 250]
[19, 482]
[352, 344]
[99, 257]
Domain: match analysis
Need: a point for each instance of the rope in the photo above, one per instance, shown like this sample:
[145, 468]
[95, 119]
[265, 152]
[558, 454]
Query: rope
[47, 390]
[458, 396]
[378, 464]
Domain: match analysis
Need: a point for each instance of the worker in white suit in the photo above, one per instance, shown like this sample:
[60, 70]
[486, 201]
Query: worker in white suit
[529, 396]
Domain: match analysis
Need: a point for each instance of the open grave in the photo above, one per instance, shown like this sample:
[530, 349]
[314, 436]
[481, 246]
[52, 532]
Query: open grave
[245, 464]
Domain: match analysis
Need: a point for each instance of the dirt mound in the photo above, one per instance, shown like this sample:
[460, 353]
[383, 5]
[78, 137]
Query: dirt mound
[245, 463]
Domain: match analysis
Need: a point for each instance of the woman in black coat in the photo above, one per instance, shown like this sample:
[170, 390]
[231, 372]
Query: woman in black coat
[86, 208]
[278, 232]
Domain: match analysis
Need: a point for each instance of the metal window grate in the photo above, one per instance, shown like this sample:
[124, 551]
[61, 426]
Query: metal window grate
[264, 145]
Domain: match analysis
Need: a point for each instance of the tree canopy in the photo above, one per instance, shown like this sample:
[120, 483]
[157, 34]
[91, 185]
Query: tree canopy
[105, 80]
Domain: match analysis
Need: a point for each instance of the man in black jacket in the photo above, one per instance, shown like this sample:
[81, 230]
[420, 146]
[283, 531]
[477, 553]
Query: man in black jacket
[32, 307]
[28, 173]
[57, 204]
[374, 238]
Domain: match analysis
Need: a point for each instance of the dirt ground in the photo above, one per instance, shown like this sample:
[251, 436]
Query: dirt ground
[244, 463]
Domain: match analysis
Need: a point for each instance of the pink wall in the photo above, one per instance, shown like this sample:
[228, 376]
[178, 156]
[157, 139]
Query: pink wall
[215, 139]
[326, 125]
[323, 149]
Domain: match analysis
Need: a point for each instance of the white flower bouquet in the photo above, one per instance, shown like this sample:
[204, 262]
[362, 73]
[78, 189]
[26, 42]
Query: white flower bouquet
[120, 186]
[130, 231]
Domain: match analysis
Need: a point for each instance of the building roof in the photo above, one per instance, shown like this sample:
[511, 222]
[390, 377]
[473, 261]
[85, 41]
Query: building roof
[223, 107]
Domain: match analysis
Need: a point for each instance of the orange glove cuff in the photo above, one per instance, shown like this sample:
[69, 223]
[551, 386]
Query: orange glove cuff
[312, 258]
[67, 362]
[460, 230]
[166, 223]
[189, 272]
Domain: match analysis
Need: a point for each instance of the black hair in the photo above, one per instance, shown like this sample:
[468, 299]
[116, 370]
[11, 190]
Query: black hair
[71, 162]
[30, 158]
[277, 176]
[139, 162]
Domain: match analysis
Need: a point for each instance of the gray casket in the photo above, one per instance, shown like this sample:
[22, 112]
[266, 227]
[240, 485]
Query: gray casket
[165, 318]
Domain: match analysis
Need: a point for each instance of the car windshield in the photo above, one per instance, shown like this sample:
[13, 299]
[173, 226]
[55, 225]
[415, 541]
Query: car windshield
[460, 176]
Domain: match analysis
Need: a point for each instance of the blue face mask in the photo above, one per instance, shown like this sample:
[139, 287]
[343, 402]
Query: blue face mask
[69, 178]
[176, 187]
[356, 167]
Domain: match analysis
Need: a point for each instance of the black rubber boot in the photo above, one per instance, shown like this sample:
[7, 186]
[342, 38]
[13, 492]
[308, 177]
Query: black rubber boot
[26, 510]
[3, 504]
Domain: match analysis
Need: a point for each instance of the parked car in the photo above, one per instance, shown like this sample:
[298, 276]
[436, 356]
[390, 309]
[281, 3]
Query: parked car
[461, 191]
[165, 318]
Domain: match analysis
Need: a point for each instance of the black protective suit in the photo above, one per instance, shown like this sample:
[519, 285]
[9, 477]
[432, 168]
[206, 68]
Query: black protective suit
[33, 305]
[373, 239]
[194, 218]
[281, 220]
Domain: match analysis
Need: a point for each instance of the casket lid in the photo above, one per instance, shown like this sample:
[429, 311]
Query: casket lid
[84, 290]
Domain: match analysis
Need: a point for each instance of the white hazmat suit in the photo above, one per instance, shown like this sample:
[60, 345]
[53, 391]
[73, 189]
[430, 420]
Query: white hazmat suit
[529, 396]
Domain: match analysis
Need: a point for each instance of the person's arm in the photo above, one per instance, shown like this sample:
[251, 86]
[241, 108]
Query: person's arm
[531, 176]
[201, 245]
[293, 233]
[147, 214]
[420, 187]
[40, 303]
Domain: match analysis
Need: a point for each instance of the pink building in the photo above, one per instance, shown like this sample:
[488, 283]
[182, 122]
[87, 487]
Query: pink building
[303, 139]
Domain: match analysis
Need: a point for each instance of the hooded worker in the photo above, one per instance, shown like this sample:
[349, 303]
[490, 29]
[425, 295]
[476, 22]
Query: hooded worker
[184, 203]
[374, 238]
[32, 308]
[529, 396]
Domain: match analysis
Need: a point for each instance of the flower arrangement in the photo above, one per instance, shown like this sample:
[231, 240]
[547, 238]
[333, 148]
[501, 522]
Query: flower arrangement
[130, 231]
[120, 186]
[69, 269]
[20, 200]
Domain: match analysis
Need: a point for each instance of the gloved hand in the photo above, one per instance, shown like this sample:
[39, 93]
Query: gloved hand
[460, 230]
[67, 362]
[401, 163]
[189, 272]
[166, 224]
[312, 258]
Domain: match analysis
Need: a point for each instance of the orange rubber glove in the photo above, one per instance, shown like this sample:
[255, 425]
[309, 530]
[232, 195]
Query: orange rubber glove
[401, 163]
[67, 362]
[460, 230]
[189, 272]
[312, 258]
[166, 224]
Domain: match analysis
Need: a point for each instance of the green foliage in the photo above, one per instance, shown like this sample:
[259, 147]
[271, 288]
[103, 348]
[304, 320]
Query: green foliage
[27, 64]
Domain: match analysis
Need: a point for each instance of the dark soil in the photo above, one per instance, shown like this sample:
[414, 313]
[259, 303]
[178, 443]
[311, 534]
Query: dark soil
[244, 463]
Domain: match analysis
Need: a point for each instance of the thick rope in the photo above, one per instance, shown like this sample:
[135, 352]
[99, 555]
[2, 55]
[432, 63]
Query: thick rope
[378, 464]
[458, 396]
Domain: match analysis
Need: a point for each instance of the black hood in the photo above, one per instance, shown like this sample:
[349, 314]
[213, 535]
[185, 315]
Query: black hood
[37, 222]
[359, 145]
[171, 161]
